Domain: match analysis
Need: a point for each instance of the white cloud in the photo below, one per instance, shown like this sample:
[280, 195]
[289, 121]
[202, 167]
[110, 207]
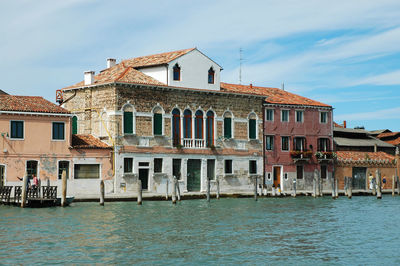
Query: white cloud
[392, 113]
[390, 78]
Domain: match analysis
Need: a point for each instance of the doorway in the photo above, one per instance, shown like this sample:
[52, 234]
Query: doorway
[32, 168]
[277, 176]
[2, 175]
[359, 178]
[193, 175]
[144, 177]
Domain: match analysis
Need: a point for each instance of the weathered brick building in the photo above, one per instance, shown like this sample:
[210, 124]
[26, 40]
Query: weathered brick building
[167, 115]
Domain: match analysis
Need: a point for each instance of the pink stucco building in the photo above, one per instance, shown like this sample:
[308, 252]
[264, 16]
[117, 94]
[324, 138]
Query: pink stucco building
[298, 138]
[36, 138]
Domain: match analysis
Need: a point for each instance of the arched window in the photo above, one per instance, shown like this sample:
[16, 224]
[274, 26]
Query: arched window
[252, 126]
[198, 124]
[176, 127]
[157, 121]
[187, 124]
[128, 123]
[177, 72]
[228, 125]
[210, 129]
[211, 74]
[74, 125]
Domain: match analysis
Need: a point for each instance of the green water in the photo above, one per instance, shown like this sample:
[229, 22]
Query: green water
[282, 231]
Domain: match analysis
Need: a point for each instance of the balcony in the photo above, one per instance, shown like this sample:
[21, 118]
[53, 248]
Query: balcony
[325, 156]
[194, 143]
[301, 156]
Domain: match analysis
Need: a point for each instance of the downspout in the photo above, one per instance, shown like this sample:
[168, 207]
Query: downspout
[263, 142]
[114, 143]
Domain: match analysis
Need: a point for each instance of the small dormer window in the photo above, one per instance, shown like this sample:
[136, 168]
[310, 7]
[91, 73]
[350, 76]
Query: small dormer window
[211, 74]
[177, 72]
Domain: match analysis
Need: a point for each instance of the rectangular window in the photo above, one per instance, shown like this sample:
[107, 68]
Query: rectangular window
[128, 165]
[299, 170]
[323, 144]
[227, 127]
[269, 143]
[299, 143]
[324, 173]
[323, 117]
[17, 129]
[211, 169]
[252, 167]
[299, 116]
[128, 122]
[285, 115]
[86, 171]
[63, 165]
[252, 128]
[31, 168]
[285, 143]
[228, 166]
[269, 114]
[176, 168]
[157, 128]
[58, 130]
[158, 165]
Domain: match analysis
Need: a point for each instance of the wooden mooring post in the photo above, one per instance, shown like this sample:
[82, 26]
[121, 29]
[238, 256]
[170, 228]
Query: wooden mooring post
[393, 185]
[378, 184]
[139, 192]
[255, 188]
[208, 189]
[64, 188]
[178, 189]
[315, 177]
[398, 184]
[336, 188]
[174, 191]
[349, 187]
[294, 188]
[166, 189]
[345, 185]
[102, 193]
[24, 190]
[333, 182]
[217, 188]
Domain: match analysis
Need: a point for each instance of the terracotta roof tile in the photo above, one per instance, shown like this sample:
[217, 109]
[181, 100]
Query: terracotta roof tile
[360, 156]
[274, 95]
[155, 59]
[337, 125]
[388, 134]
[29, 104]
[81, 141]
[394, 141]
[120, 73]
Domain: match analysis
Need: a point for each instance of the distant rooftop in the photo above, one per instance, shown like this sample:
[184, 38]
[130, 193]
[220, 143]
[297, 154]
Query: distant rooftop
[34, 104]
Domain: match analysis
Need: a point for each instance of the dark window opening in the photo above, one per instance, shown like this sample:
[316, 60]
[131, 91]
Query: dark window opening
[177, 72]
[63, 165]
[17, 129]
[228, 166]
[211, 74]
[58, 130]
[87, 171]
[128, 165]
[299, 170]
[158, 165]
[252, 167]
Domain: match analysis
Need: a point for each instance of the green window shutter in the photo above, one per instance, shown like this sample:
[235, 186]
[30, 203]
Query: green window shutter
[74, 125]
[157, 127]
[128, 123]
[227, 127]
[252, 129]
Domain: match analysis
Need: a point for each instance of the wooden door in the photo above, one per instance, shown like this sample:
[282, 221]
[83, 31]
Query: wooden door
[359, 178]
[193, 175]
[277, 176]
[2, 174]
[144, 177]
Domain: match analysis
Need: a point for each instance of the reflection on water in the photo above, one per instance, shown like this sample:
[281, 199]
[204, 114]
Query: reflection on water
[304, 230]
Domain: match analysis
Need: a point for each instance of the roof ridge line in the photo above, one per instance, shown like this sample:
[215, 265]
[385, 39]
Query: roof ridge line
[123, 73]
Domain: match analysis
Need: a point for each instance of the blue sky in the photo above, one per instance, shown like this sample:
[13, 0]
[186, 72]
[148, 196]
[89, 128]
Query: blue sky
[343, 53]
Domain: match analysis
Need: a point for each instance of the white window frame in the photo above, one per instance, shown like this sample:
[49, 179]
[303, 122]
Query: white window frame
[248, 126]
[162, 120]
[302, 116]
[23, 137]
[288, 144]
[273, 144]
[326, 117]
[232, 124]
[52, 123]
[266, 114]
[85, 163]
[69, 167]
[285, 110]
[133, 119]
[225, 173]
[38, 167]
[256, 167]
[123, 165]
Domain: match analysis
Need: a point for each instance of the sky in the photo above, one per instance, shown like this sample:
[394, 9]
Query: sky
[343, 53]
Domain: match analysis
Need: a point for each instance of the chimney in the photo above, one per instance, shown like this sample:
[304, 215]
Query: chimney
[251, 86]
[344, 123]
[89, 77]
[111, 62]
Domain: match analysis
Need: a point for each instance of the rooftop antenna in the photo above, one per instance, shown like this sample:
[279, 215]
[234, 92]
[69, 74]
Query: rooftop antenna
[283, 85]
[240, 65]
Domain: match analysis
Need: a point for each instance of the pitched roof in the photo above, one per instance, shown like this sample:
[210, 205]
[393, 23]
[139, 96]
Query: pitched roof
[359, 142]
[119, 73]
[82, 141]
[155, 59]
[274, 95]
[364, 157]
[3, 92]
[29, 104]
[388, 134]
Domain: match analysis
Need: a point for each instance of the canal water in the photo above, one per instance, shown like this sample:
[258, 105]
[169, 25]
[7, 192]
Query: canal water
[285, 231]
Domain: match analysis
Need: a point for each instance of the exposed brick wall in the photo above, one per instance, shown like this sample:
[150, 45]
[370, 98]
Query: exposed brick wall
[143, 126]
[241, 130]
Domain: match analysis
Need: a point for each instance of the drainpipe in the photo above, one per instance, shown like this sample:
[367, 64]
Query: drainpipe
[263, 142]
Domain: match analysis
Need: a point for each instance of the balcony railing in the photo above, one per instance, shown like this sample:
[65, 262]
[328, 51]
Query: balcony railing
[193, 143]
[301, 154]
[325, 155]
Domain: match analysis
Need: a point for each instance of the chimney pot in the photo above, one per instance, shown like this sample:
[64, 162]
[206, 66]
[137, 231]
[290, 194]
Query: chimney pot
[251, 85]
[344, 124]
[111, 62]
[89, 77]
